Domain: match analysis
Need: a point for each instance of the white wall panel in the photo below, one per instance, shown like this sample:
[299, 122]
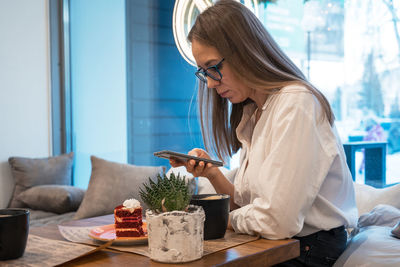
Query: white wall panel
[24, 85]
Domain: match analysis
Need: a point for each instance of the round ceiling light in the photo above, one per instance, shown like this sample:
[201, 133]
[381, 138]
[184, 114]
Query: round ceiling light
[184, 16]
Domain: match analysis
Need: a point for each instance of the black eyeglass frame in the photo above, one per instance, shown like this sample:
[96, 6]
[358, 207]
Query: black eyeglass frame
[203, 73]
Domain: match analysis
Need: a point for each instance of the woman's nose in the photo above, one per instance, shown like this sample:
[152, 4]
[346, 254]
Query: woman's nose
[211, 83]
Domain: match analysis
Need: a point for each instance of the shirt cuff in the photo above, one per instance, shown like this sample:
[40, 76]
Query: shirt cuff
[238, 220]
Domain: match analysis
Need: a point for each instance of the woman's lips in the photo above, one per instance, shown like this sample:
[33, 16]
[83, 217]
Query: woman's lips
[224, 94]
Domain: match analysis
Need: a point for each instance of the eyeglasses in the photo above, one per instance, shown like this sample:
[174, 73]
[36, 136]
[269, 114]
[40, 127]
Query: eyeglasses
[212, 72]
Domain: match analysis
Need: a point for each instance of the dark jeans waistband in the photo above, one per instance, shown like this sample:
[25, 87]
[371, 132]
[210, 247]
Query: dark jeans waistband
[337, 229]
[321, 248]
[333, 231]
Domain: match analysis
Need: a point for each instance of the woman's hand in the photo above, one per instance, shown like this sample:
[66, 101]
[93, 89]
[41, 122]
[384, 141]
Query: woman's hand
[220, 183]
[196, 168]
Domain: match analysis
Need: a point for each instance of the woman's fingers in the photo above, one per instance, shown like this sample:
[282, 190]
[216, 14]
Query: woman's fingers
[199, 153]
[176, 163]
[196, 168]
[194, 152]
[172, 162]
[200, 168]
[190, 165]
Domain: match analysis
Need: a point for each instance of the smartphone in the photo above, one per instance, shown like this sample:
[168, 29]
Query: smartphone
[184, 157]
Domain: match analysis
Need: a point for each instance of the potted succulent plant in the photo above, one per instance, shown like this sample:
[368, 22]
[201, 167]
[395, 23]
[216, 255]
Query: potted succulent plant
[175, 228]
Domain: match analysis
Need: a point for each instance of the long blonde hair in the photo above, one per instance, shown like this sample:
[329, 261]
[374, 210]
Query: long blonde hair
[254, 57]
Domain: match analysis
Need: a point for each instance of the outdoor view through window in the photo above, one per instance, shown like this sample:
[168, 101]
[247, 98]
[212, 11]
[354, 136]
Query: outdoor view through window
[350, 50]
[137, 84]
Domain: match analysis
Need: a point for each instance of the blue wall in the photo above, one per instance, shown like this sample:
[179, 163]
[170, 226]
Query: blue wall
[161, 86]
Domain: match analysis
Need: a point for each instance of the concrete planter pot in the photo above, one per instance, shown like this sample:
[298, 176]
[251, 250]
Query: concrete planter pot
[176, 236]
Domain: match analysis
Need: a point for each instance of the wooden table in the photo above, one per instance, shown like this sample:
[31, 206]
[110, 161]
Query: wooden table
[260, 252]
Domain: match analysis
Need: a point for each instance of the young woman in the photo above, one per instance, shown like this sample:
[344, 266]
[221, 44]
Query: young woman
[293, 180]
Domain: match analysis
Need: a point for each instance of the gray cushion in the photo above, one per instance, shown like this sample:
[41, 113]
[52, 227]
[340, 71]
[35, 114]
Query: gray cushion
[110, 184]
[39, 214]
[396, 230]
[381, 215]
[53, 198]
[373, 246]
[50, 218]
[29, 172]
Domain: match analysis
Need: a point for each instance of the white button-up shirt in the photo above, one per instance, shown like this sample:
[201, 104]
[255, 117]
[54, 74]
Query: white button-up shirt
[293, 178]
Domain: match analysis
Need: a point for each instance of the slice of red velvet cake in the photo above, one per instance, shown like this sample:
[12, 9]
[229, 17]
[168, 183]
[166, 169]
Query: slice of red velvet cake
[128, 219]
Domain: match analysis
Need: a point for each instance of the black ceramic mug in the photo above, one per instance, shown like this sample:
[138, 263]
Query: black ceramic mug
[14, 230]
[216, 209]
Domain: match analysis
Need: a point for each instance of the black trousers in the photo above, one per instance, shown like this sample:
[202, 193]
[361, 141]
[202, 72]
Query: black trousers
[322, 248]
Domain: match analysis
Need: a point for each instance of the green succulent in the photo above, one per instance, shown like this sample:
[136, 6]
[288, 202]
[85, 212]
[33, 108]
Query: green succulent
[166, 193]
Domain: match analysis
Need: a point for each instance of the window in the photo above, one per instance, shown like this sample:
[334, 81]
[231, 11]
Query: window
[350, 51]
[132, 93]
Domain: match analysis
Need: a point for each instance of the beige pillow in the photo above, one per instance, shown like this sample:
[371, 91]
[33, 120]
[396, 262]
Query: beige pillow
[53, 198]
[29, 172]
[110, 184]
[368, 197]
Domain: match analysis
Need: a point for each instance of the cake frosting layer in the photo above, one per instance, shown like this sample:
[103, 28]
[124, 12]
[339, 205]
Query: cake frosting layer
[126, 219]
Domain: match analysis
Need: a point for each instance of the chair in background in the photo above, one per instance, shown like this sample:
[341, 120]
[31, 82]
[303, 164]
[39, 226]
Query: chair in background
[375, 161]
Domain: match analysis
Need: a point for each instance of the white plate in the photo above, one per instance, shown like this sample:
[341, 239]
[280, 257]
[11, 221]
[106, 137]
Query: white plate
[106, 233]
